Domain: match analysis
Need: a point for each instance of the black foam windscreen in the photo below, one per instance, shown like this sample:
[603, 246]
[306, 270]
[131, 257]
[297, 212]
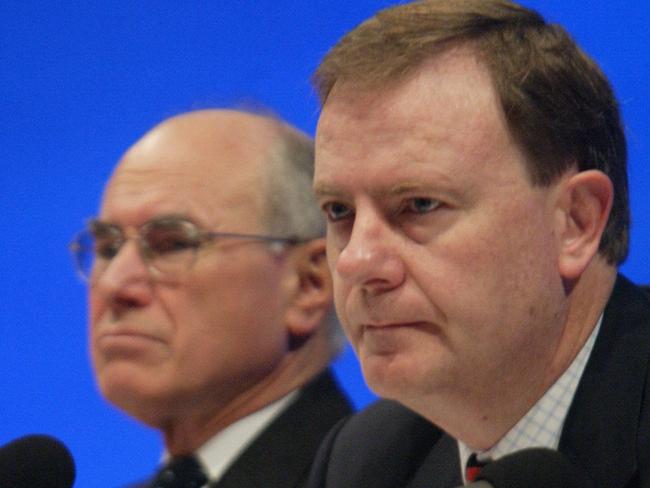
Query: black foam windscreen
[535, 468]
[36, 461]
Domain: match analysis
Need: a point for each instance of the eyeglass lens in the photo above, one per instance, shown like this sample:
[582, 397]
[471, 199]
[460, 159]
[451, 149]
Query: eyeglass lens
[168, 245]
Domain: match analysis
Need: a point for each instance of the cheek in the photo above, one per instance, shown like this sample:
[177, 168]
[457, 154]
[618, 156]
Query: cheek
[333, 250]
[96, 306]
[342, 300]
[340, 289]
[235, 310]
[508, 237]
[339, 300]
[487, 264]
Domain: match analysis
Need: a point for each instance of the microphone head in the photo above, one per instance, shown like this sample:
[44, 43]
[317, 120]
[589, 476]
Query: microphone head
[535, 468]
[36, 461]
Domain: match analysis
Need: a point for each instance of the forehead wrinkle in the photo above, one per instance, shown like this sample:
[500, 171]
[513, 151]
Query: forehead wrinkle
[407, 187]
[186, 190]
[441, 183]
[134, 181]
[147, 192]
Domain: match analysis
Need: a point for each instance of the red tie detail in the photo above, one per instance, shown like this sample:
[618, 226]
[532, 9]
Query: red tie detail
[473, 468]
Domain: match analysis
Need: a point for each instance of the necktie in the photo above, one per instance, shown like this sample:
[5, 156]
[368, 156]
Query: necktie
[181, 472]
[473, 468]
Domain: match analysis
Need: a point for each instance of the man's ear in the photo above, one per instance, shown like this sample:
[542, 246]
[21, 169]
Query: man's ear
[585, 201]
[312, 297]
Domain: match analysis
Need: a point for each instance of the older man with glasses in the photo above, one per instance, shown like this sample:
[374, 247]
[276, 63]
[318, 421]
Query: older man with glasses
[210, 299]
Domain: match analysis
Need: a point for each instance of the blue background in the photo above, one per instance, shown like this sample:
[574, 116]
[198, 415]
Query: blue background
[81, 81]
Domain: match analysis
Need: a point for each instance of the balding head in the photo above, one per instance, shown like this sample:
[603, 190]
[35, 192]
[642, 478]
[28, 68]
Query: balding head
[212, 148]
[207, 133]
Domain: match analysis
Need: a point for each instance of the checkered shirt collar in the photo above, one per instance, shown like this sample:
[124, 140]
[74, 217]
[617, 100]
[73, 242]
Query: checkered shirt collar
[542, 425]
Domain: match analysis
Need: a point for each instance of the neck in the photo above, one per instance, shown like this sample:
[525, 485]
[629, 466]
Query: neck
[589, 297]
[187, 432]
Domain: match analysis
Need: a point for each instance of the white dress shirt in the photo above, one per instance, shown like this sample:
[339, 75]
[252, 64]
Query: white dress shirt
[222, 450]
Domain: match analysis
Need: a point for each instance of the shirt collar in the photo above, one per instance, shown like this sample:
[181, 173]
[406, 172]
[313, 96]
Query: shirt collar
[542, 425]
[220, 451]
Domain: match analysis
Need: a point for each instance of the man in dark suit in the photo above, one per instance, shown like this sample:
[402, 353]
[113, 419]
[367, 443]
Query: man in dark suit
[211, 313]
[471, 163]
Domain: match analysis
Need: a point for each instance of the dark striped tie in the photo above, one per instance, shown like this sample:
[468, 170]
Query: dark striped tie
[181, 472]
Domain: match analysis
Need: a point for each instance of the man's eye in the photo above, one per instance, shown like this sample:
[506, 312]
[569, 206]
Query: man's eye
[107, 249]
[421, 205]
[170, 242]
[336, 211]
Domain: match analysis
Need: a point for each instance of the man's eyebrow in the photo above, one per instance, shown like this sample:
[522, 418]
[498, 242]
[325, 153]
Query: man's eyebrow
[408, 187]
[169, 216]
[326, 190]
[155, 219]
[97, 222]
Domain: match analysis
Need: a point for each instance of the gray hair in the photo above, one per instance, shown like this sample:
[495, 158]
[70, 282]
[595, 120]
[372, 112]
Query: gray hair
[292, 207]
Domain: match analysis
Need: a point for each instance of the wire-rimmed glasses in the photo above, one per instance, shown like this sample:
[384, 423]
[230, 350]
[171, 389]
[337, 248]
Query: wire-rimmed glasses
[168, 245]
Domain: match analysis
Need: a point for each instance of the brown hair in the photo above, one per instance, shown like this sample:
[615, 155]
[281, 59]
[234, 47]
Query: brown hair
[559, 105]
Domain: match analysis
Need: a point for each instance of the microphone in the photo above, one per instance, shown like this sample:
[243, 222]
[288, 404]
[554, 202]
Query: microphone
[532, 468]
[36, 461]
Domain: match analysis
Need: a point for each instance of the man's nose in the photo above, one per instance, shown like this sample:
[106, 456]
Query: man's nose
[371, 257]
[126, 277]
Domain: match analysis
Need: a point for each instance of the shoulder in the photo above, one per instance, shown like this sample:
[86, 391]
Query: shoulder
[386, 420]
[607, 429]
[382, 446]
[628, 295]
[625, 327]
[325, 393]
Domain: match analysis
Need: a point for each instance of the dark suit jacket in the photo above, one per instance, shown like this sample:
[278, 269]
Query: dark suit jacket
[281, 456]
[607, 429]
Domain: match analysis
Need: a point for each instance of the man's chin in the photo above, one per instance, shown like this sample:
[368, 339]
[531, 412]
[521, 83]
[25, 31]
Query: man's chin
[388, 376]
[404, 377]
[125, 384]
[149, 409]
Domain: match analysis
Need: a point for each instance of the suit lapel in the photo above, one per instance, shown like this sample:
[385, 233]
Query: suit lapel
[441, 468]
[600, 431]
[281, 456]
